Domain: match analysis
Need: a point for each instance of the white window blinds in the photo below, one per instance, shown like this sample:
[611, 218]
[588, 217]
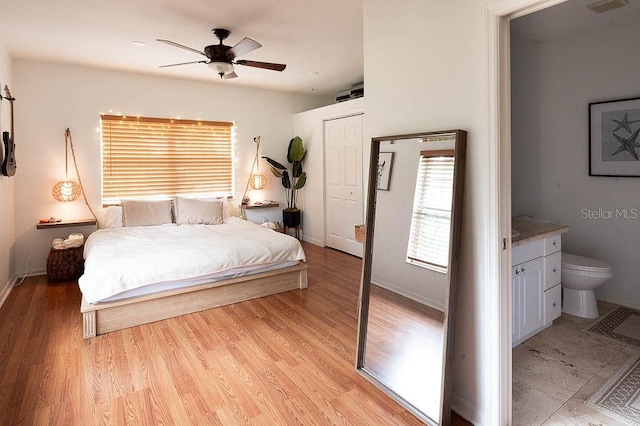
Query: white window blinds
[431, 219]
[145, 157]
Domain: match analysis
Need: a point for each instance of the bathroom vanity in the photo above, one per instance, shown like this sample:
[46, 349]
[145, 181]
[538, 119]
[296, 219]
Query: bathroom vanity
[535, 277]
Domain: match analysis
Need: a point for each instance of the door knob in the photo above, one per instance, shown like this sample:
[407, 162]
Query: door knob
[523, 270]
[555, 243]
[517, 271]
[555, 270]
[555, 305]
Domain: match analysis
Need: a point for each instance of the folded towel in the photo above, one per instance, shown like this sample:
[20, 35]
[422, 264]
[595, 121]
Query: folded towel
[74, 240]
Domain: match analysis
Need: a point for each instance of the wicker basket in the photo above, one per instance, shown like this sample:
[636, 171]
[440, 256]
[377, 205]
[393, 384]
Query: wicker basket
[65, 264]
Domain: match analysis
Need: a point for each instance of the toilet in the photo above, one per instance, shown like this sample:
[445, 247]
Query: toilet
[580, 277]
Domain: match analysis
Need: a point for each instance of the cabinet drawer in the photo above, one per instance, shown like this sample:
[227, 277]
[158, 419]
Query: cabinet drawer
[552, 265]
[552, 244]
[527, 252]
[552, 304]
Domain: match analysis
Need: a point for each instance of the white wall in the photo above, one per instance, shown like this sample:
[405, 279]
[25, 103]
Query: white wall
[574, 71]
[7, 202]
[439, 81]
[53, 97]
[525, 127]
[309, 125]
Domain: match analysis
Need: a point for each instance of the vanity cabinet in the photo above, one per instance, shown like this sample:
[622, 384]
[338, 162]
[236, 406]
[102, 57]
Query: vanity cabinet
[536, 290]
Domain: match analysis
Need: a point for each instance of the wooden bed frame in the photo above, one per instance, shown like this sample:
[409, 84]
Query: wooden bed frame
[102, 318]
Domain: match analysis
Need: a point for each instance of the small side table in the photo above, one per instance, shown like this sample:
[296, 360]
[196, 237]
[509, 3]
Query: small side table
[65, 264]
[295, 228]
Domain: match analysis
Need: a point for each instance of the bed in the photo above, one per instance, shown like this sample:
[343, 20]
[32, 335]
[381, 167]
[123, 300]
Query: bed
[140, 274]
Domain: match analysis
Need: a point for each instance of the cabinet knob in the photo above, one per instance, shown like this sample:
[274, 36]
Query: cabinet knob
[523, 270]
[517, 271]
[555, 243]
[555, 305]
[555, 270]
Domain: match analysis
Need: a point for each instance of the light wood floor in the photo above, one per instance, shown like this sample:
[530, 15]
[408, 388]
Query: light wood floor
[404, 341]
[283, 359]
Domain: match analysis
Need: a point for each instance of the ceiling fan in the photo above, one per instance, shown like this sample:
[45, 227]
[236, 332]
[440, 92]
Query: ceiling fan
[222, 58]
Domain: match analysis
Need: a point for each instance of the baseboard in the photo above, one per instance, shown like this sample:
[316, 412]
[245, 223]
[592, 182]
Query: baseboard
[465, 409]
[314, 241]
[33, 273]
[4, 292]
[625, 303]
[422, 300]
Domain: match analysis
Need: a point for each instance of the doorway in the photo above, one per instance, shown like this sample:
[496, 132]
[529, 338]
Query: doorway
[343, 183]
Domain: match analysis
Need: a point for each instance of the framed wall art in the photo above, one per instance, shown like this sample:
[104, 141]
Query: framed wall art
[385, 163]
[614, 145]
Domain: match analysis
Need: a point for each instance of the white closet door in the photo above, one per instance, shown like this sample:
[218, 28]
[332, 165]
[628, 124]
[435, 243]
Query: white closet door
[343, 183]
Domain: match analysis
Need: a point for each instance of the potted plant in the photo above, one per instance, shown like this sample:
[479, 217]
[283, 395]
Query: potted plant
[291, 182]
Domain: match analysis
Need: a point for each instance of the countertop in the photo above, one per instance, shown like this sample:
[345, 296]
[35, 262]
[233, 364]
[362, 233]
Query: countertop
[532, 231]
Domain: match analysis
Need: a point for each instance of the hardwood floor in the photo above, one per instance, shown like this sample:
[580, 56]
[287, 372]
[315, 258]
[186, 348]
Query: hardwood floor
[404, 341]
[283, 359]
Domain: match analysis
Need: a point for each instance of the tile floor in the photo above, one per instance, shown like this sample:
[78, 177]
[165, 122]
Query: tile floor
[555, 371]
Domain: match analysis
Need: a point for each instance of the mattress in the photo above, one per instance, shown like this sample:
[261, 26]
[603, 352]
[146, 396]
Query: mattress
[129, 262]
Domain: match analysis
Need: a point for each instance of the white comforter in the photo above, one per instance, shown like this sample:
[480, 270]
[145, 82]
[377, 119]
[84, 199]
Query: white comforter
[122, 259]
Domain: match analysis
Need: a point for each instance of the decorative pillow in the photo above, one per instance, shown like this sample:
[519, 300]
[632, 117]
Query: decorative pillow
[146, 213]
[191, 211]
[112, 217]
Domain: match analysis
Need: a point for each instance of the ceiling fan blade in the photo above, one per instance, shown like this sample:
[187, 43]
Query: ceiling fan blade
[181, 46]
[232, 74]
[183, 63]
[245, 45]
[265, 65]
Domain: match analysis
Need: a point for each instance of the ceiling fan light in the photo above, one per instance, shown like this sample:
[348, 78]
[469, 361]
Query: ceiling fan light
[221, 68]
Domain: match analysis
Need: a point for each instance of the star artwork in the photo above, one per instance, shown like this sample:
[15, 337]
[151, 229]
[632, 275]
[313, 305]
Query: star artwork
[628, 144]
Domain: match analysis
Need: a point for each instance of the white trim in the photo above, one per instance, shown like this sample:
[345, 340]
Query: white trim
[4, 292]
[499, 410]
[339, 117]
[314, 241]
[465, 410]
[410, 295]
[32, 273]
[625, 303]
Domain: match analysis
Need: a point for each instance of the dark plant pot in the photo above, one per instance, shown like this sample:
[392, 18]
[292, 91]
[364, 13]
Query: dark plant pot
[291, 217]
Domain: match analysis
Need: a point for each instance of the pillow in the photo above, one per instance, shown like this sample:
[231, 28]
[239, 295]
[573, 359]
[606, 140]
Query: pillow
[225, 205]
[112, 217]
[146, 213]
[191, 211]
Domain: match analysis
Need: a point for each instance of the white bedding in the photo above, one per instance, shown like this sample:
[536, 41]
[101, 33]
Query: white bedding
[119, 260]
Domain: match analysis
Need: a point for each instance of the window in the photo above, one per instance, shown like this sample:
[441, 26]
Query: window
[146, 157]
[431, 218]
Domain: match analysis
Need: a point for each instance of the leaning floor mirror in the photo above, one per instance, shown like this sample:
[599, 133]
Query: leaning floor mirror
[408, 290]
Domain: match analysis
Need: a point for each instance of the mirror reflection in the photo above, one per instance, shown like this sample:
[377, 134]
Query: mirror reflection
[405, 307]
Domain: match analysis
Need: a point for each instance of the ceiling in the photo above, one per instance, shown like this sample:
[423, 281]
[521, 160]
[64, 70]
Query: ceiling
[572, 17]
[320, 41]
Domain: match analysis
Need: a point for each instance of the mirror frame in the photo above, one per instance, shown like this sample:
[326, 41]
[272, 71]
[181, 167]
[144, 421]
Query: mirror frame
[452, 272]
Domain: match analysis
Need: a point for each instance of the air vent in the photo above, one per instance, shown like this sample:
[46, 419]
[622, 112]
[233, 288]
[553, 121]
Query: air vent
[607, 5]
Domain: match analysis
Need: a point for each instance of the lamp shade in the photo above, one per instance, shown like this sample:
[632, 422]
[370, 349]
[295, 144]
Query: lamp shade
[66, 190]
[221, 68]
[258, 181]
